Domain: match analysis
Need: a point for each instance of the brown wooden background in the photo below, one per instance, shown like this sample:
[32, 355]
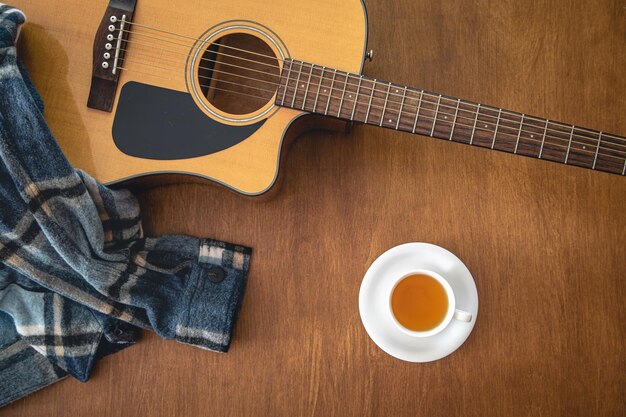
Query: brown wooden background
[545, 243]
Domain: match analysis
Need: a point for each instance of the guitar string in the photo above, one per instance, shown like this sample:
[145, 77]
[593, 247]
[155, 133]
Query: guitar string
[192, 38]
[460, 109]
[443, 113]
[203, 76]
[216, 62]
[372, 105]
[422, 116]
[356, 92]
[331, 96]
[356, 77]
[347, 75]
[367, 95]
[202, 58]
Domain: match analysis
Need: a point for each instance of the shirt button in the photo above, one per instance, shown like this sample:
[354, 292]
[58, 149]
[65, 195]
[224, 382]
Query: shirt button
[216, 274]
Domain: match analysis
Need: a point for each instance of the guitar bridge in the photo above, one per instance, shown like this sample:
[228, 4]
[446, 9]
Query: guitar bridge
[118, 44]
[108, 53]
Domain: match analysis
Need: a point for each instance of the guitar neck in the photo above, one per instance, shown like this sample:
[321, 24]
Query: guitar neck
[330, 92]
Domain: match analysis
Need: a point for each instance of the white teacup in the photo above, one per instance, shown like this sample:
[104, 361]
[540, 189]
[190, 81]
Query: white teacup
[451, 313]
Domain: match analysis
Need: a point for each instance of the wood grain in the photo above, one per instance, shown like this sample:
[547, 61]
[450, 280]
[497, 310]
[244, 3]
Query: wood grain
[545, 243]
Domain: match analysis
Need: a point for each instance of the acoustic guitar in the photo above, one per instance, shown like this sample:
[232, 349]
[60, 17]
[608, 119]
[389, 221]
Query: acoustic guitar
[215, 89]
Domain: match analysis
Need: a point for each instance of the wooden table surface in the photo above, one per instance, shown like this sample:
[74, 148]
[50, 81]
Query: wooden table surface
[546, 244]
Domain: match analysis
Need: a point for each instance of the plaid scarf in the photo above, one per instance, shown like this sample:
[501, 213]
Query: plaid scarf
[77, 277]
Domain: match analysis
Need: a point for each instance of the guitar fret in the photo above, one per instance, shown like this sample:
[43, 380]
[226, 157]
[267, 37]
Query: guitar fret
[330, 92]
[417, 114]
[543, 139]
[356, 96]
[595, 158]
[495, 132]
[456, 112]
[624, 170]
[569, 145]
[474, 127]
[382, 115]
[295, 91]
[343, 94]
[307, 87]
[432, 131]
[521, 123]
[369, 105]
[400, 111]
[319, 86]
[287, 81]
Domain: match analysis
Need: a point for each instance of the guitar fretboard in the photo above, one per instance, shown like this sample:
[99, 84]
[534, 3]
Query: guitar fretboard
[343, 95]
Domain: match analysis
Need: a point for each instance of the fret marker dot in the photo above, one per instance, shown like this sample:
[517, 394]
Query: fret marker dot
[301, 85]
[445, 117]
[389, 120]
[397, 91]
[324, 90]
[486, 126]
[532, 136]
[350, 95]
[584, 147]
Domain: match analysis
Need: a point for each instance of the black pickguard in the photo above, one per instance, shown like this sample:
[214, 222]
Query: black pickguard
[158, 123]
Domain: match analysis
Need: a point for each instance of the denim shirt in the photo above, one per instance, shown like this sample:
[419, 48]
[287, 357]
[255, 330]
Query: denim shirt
[78, 279]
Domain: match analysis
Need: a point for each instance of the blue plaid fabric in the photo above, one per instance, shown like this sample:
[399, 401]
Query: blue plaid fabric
[78, 279]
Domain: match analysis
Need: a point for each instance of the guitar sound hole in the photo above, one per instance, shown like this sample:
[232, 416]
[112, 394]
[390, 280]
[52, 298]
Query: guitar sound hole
[238, 73]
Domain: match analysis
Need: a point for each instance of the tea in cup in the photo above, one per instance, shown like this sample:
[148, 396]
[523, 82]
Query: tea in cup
[422, 304]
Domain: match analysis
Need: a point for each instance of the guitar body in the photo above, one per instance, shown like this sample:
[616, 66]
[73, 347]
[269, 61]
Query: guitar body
[157, 123]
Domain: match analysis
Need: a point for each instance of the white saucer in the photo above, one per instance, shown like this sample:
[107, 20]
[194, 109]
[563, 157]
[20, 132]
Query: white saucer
[374, 301]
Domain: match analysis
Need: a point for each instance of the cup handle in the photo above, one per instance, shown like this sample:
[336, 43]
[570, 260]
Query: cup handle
[462, 315]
